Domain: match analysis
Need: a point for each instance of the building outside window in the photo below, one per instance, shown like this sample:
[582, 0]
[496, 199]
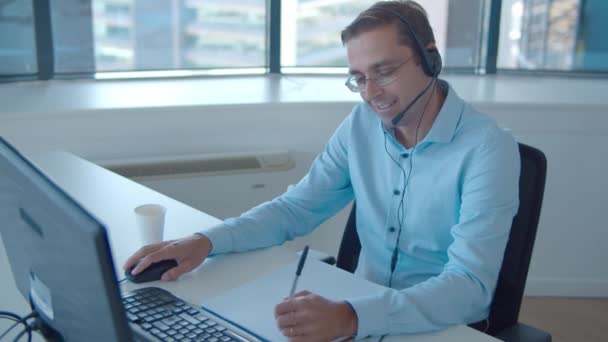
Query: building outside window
[90, 36]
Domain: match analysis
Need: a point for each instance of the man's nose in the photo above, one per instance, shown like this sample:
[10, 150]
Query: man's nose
[371, 90]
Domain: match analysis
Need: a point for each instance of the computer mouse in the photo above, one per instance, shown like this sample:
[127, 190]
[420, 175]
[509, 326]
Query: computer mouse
[152, 272]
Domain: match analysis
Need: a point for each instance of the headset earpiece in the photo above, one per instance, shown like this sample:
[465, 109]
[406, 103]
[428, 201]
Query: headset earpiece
[434, 62]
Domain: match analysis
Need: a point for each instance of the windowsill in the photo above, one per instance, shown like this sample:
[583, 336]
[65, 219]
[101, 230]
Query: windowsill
[78, 96]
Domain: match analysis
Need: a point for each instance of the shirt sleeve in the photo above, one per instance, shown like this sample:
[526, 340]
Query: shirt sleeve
[463, 291]
[324, 190]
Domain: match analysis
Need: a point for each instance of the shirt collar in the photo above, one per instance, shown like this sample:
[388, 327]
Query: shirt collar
[444, 126]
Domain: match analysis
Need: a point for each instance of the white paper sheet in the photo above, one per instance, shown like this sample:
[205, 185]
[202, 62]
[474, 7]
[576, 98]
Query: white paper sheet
[252, 304]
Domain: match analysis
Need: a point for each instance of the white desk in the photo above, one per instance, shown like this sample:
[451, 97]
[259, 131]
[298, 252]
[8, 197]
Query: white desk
[111, 198]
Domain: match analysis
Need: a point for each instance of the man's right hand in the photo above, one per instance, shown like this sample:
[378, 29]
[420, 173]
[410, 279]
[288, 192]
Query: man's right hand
[187, 252]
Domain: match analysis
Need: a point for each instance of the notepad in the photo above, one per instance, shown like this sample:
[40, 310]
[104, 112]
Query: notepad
[252, 304]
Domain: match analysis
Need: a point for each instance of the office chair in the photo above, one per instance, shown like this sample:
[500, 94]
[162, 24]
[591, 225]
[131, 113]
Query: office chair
[504, 310]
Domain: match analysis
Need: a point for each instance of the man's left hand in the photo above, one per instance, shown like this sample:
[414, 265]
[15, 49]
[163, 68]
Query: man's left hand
[310, 317]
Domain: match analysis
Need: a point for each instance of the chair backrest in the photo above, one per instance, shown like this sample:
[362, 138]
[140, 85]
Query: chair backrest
[504, 310]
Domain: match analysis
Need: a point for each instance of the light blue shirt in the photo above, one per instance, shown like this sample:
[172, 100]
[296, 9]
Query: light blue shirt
[458, 205]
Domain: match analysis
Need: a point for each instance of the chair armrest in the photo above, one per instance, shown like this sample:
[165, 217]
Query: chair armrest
[524, 333]
[321, 256]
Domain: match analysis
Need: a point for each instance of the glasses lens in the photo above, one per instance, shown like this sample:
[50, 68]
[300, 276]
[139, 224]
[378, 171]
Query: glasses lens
[354, 84]
[384, 80]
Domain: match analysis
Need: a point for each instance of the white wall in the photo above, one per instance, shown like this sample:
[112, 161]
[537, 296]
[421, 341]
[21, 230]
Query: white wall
[570, 253]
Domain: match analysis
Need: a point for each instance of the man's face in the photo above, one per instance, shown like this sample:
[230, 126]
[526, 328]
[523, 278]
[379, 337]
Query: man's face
[378, 54]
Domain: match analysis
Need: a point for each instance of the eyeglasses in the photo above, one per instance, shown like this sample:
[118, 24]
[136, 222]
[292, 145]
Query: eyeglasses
[386, 76]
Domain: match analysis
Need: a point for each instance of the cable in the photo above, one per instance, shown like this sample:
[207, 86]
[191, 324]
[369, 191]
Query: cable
[18, 320]
[27, 330]
[10, 328]
[401, 207]
[13, 317]
[122, 280]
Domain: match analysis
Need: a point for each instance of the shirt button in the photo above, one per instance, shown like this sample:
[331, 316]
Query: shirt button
[396, 192]
[404, 155]
[391, 229]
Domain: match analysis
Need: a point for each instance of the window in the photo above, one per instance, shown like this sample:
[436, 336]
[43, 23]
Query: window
[17, 44]
[559, 35]
[311, 30]
[175, 34]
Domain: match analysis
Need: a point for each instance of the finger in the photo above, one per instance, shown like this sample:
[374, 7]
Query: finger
[297, 333]
[150, 259]
[142, 252]
[302, 293]
[174, 273]
[283, 307]
[290, 332]
[287, 320]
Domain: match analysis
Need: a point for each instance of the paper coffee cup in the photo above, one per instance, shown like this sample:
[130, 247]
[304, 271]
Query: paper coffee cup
[150, 220]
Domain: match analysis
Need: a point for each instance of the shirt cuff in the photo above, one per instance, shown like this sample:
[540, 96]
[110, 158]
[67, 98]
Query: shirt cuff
[221, 240]
[372, 319]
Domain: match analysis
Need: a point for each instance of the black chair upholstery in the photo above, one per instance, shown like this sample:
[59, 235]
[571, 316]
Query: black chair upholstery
[504, 310]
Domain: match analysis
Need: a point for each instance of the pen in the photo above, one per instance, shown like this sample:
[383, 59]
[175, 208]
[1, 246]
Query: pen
[298, 271]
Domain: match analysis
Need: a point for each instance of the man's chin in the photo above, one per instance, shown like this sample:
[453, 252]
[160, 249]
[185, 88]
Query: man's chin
[387, 121]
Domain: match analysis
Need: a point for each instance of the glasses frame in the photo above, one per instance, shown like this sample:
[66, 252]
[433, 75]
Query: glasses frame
[381, 81]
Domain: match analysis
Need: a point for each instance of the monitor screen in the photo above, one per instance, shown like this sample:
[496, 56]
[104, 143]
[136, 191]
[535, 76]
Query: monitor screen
[59, 255]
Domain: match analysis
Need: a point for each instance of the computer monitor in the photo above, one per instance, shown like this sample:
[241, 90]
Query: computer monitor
[59, 255]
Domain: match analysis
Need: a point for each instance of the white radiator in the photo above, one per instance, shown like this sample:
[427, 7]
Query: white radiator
[200, 165]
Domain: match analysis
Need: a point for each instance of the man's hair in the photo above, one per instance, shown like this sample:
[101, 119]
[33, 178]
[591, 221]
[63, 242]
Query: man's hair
[379, 14]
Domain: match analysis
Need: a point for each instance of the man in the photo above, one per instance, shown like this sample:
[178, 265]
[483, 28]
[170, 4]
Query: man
[435, 184]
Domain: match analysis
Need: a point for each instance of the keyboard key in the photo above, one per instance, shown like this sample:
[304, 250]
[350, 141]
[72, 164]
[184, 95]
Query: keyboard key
[200, 317]
[131, 317]
[161, 326]
[189, 318]
[149, 319]
[170, 320]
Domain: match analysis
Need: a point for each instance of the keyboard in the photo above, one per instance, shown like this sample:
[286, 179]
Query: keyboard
[157, 315]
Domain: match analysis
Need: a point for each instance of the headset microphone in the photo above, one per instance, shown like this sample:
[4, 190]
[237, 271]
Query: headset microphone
[400, 116]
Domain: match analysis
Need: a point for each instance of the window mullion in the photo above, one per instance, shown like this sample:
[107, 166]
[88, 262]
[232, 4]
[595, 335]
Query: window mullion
[493, 35]
[44, 39]
[274, 37]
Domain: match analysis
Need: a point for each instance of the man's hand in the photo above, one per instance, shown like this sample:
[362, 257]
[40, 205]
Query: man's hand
[188, 253]
[310, 317]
